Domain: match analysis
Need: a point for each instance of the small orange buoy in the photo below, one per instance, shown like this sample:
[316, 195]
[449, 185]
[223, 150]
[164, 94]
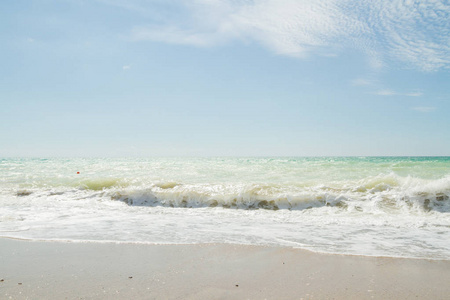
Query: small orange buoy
[78, 172]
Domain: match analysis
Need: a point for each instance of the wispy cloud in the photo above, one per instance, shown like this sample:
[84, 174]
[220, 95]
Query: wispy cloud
[126, 67]
[388, 92]
[414, 94]
[424, 109]
[415, 33]
[361, 82]
[294, 28]
[385, 93]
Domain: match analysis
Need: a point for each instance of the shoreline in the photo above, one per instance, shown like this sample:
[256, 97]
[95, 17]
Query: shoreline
[55, 270]
[111, 242]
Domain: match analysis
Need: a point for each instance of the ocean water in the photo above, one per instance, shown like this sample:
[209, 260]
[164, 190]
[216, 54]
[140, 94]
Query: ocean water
[376, 206]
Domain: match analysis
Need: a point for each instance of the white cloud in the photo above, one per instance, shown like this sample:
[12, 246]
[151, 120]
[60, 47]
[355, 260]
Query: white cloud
[416, 33]
[414, 94]
[288, 27]
[361, 82]
[388, 92]
[424, 109]
[126, 67]
[385, 93]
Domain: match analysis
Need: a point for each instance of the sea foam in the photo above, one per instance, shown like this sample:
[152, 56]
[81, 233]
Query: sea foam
[367, 206]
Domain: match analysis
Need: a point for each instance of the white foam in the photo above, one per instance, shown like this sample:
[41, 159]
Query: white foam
[378, 212]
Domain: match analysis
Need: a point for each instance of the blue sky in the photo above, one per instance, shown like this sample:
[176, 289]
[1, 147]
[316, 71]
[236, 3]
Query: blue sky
[217, 77]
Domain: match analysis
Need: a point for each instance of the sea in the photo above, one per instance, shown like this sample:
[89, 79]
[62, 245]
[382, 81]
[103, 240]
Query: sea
[372, 206]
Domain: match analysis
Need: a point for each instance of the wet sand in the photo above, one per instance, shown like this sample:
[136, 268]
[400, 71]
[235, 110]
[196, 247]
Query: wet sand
[57, 270]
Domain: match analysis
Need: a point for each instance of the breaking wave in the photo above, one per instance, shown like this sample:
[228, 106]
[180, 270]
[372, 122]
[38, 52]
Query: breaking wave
[383, 193]
[369, 206]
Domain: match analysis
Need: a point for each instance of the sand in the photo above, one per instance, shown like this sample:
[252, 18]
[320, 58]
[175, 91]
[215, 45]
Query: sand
[58, 270]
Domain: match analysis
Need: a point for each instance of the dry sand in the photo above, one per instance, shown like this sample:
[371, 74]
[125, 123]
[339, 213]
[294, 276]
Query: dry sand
[51, 270]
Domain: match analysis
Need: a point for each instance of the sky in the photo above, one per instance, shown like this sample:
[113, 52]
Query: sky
[121, 78]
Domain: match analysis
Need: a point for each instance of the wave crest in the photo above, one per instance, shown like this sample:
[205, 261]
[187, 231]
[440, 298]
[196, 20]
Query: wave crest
[384, 193]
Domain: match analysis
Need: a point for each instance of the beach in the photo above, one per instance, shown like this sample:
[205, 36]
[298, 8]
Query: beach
[225, 228]
[225, 149]
[58, 270]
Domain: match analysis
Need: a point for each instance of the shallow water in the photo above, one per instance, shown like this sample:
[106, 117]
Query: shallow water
[389, 206]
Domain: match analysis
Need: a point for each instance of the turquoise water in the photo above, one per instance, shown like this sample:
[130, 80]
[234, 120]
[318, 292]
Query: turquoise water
[390, 206]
